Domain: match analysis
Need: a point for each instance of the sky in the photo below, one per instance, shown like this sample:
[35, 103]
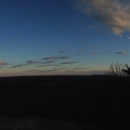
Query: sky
[63, 37]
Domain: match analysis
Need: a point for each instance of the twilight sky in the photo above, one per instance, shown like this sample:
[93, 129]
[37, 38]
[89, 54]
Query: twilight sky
[52, 37]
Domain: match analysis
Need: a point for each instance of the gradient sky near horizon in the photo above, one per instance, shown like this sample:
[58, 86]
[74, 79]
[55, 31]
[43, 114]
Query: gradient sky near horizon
[52, 37]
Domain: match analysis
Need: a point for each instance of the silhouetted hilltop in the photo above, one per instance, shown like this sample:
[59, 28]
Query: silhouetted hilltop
[101, 101]
[57, 81]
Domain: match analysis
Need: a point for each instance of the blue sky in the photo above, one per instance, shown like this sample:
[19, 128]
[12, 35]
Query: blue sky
[52, 37]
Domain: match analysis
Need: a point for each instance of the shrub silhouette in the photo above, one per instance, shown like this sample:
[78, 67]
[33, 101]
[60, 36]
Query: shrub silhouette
[127, 70]
[115, 69]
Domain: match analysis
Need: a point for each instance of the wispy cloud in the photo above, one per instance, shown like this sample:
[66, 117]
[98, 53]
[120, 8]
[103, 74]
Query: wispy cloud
[91, 27]
[47, 70]
[35, 70]
[47, 65]
[95, 52]
[3, 62]
[49, 62]
[39, 62]
[80, 69]
[17, 66]
[69, 62]
[88, 27]
[113, 13]
[120, 53]
[33, 62]
[54, 69]
[29, 62]
[56, 58]
[62, 51]
[128, 37]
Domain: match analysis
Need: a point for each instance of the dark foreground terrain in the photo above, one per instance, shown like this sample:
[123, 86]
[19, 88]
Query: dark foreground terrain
[102, 102]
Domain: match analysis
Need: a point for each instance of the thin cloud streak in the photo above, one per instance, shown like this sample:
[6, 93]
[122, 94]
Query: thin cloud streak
[56, 58]
[48, 70]
[69, 62]
[33, 62]
[39, 62]
[49, 62]
[35, 70]
[46, 65]
[80, 69]
[112, 13]
[54, 69]
[62, 51]
[121, 53]
[17, 66]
